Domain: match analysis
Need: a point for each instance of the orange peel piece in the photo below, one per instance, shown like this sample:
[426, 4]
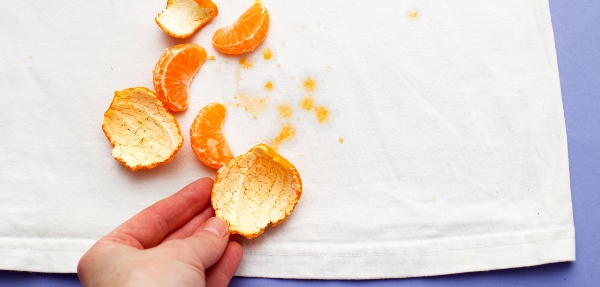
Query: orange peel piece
[182, 18]
[143, 133]
[245, 34]
[174, 72]
[254, 190]
[207, 139]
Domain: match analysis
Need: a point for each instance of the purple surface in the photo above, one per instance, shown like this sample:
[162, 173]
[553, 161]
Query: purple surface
[577, 35]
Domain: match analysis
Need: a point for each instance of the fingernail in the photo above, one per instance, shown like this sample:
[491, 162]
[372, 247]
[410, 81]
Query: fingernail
[216, 226]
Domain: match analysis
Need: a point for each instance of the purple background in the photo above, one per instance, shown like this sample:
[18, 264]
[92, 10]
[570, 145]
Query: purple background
[577, 33]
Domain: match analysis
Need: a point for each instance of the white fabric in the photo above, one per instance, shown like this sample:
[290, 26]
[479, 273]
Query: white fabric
[454, 152]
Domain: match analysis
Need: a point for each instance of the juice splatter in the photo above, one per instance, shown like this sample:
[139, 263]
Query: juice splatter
[267, 54]
[322, 114]
[285, 111]
[307, 103]
[309, 85]
[252, 104]
[341, 140]
[245, 63]
[269, 86]
[211, 57]
[286, 133]
[413, 14]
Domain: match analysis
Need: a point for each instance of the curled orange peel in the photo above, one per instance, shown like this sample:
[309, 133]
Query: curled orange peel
[254, 190]
[143, 133]
[206, 136]
[182, 18]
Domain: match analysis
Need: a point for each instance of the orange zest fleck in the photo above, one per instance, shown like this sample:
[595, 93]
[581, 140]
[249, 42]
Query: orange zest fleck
[256, 189]
[142, 131]
[174, 72]
[267, 54]
[269, 86]
[207, 139]
[245, 34]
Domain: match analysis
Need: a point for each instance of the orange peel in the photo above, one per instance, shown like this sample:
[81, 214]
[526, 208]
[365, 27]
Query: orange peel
[143, 133]
[254, 190]
[207, 139]
[245, 34]
[174, 72]
[182, 18]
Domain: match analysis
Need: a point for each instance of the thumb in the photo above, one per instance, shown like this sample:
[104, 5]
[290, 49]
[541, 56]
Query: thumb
[209, 241]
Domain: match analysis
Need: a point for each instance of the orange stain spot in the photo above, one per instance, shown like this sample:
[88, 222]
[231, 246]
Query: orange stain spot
[269, 86]
[307, 103]
[245, 63]
[309, 85]
[322, 114]
[211, 57]
[282, 43]
[285, 111]
[413, 14]
[267, 54]
[286, 133]
[252, 104]
[341, 140]
[278, 65]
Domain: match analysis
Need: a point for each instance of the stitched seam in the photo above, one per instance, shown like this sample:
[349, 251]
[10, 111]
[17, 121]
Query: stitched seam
[406, 253]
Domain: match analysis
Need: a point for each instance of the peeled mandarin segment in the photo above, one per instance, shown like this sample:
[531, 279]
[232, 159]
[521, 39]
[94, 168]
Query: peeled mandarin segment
[254, 190]
[245, 34]
[143, 133]
[173, 74]
[206, 133]
[182, 18]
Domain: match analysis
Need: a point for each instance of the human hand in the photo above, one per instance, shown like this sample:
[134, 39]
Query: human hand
[174, 242]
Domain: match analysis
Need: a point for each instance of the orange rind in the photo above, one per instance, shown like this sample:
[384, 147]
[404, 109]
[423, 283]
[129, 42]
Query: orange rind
[207, 139]
[143, 133]
[182, 18]
[173, 74]
[245, 34]
[254, 190]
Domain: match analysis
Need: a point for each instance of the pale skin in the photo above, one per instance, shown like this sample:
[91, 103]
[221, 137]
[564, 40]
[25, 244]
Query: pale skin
[175, 242]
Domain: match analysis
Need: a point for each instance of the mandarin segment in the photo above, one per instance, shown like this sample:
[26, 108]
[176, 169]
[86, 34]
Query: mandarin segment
[245, 34]
[208, 141]
[182, 18]
[174, 72]
[257, 189]
[143, 133]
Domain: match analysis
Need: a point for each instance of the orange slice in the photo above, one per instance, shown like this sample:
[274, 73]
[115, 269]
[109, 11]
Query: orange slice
[174, 72]
[143, 133]
[182, 18]
[256, 189]
[208, 142]
[245, 34]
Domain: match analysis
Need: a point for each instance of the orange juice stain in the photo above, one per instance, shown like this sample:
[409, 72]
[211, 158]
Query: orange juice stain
[309, 85]
[341, 140]
[307, 103]
[267, 54]
[413, 14]
[245, 63]
[278, 65]
[322, 114]
[286, 133]
[285, 111]
[211, 58]
[252, 104]
[269, 86]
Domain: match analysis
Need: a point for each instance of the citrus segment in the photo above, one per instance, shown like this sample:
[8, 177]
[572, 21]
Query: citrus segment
[174, 72]
[143, 133]
[245, 34]
[182, 18]
[257, 189]
[208, 142]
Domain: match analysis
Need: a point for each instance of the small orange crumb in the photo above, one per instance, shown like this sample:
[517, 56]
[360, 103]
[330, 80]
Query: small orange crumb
[322, 114]
[211, 57]
[245, 63]
[267, 54]
[413, 14]
[341, 140]
[285, 111]
[307, 103]
[269, 86]
[309, 85]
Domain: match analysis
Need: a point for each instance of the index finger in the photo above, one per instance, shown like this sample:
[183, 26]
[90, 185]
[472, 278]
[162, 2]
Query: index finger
[150, 226]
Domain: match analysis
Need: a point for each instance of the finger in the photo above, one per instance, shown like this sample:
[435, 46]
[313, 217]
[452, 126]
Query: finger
[149, 227]
[191, 226]
[222, 272]
[209, 241]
